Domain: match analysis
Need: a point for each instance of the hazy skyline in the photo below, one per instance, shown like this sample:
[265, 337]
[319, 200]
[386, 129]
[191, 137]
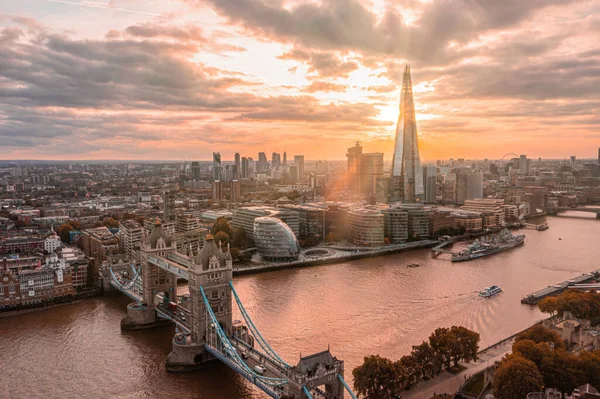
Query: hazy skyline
[124, 79]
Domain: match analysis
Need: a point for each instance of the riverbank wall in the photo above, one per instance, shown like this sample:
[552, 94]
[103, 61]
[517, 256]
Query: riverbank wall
[49, 304]
[245, 270]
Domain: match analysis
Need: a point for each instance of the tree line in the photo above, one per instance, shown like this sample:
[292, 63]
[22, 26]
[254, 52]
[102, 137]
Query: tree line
[539, 360]
[583, 305]
[379, 377]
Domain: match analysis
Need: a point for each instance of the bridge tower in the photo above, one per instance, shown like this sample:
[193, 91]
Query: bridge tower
[318, 370]
[154, 281]
[212, 270]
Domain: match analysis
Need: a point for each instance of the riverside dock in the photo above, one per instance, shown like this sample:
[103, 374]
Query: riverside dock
[579, 282]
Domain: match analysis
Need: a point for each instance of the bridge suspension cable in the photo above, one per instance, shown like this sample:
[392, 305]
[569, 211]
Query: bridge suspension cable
[352, 395]
[136, 275]
[306, 392]
[261, 341]
[232, 353]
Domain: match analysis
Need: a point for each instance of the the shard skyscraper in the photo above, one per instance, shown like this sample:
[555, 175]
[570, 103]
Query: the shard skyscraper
[406, 181]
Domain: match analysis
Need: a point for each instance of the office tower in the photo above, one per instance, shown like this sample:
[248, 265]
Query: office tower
[235, 191]
[245, 169]
[228, 173]
[469, 186]
[430, 183]
[284, 158]
[251, 167]
[262, 166]
[196, 171]
[406, 180]
[169, 205]
[238, 165]
[353, 173]
[217, 190]
[523, 165]
[275, 160]
[382, 189]
[299, 163]
[371, 168]
[573, 160]
[216, 166]
[293, 174]
[598, 155]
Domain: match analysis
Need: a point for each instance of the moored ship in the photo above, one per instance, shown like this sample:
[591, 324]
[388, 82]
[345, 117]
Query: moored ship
[498, 243]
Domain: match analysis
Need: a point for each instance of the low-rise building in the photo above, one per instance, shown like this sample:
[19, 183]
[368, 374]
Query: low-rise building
[244, 218]
[52, 243]
[395, 224]
[21, 244]
[365, 226]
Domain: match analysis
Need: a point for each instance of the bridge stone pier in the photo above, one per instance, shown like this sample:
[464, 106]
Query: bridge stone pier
[154, 280]
[212, 270]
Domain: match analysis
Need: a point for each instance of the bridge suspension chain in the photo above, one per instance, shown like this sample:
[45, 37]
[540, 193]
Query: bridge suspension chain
[307, 392]
[131, 283]
[261, 341]
[345, 384]
[232, 353]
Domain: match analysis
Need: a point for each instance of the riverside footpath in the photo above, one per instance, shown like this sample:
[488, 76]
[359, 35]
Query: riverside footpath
[450, 383]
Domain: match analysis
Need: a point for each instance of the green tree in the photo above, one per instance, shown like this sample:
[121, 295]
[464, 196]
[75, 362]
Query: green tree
[63, 232]
[222, 224]
[375, 378]
[221, 237]
[465, 344]
[549, 305]
[441, 341]
[560, 371]
[239, 237]
[539, 333]
[536, 352]
[428, 364]
[408, 370]
[516, 377]
[589, 365]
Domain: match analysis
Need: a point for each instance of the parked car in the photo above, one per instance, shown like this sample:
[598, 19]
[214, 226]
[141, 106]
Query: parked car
[259, 369]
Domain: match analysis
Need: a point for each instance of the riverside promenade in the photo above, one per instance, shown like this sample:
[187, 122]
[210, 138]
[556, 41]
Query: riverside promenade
[339, 254]
[450, 383]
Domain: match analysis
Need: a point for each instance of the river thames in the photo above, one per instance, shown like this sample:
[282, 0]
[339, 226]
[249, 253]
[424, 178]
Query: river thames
[362, 307]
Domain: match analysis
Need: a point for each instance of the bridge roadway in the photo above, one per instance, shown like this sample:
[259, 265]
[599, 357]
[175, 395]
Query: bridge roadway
[275, 380]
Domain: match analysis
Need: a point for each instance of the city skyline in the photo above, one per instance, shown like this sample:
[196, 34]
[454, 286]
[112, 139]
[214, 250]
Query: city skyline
[190, 83]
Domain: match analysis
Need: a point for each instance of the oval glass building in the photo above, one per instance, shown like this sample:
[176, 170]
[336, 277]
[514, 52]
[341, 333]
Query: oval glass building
[274, 239]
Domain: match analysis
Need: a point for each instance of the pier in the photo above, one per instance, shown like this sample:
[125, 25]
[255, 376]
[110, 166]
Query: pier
[579, 282]
[439, 249]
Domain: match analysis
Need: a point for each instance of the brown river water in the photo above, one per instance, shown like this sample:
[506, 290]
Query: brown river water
[362, 307]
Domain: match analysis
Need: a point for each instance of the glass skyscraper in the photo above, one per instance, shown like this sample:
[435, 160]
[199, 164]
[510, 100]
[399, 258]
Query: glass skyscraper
[406, 182]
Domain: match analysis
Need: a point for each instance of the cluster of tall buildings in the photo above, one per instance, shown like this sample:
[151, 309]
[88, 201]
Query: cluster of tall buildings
[408, 181]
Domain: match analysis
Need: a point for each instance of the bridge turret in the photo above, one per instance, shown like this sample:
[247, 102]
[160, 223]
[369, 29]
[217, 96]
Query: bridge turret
[154, 280]
[212, 270]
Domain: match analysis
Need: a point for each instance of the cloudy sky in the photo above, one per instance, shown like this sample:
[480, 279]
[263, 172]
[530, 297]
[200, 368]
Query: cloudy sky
[173, 79]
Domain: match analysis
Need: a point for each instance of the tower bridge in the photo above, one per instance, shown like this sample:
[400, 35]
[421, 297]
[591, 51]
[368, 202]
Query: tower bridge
[588, 209]
[205, 329]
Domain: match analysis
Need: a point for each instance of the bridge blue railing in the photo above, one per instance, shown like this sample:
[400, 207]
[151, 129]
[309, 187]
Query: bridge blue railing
[307, 392]
[232, 353]
[261, 341]
[352, 395]
[235, 367]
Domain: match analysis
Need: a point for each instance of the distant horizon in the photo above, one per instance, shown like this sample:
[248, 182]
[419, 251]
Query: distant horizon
[149, 80]
[290, 162]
